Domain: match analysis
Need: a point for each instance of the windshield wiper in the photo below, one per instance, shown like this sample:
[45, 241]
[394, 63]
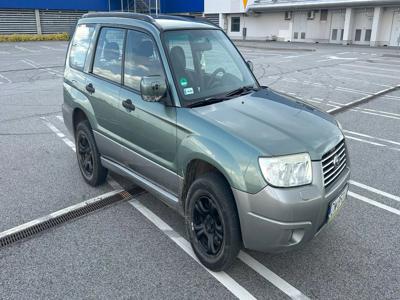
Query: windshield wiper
[207, 101]
[241, 91]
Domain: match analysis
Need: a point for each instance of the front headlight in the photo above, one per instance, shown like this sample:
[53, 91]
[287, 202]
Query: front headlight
[288, 170]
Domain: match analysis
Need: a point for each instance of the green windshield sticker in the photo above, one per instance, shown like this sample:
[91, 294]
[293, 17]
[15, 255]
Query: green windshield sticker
[183, 81]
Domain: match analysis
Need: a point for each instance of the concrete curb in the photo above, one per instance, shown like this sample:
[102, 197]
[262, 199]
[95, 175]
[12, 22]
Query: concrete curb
[363, 100]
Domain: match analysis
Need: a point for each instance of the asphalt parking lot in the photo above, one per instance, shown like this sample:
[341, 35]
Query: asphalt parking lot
[137, 249]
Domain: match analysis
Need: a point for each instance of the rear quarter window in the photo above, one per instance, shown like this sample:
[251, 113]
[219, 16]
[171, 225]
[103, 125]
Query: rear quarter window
[80, 46]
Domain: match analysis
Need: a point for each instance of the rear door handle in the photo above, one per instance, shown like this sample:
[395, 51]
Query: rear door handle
[90, 88]
[128, 104]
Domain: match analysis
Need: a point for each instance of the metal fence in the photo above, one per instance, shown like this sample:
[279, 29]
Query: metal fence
[38, 21]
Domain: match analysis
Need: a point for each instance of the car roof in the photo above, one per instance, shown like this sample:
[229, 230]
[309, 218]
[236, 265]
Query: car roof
[161, 22]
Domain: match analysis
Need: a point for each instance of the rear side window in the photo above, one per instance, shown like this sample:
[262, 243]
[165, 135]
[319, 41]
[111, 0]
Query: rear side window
[108, 58]
[141, 59]
[80, 45]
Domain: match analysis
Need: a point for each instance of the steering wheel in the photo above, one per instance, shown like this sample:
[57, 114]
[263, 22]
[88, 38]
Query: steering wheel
[215, 77]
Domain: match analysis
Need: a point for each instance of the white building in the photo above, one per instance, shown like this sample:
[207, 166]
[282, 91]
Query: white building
[365, 22]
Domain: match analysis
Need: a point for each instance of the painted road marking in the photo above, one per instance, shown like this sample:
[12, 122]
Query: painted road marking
[371, 137]
[374, 190]
[37, 66]
[364, 141]
[26, 49]
[61, 135]
[277, 281]
[375, 203]
[5, 78]
[60, 118]
[375, 114]
[52, 48]
[369, 73]
[369, 67]
[233, 286]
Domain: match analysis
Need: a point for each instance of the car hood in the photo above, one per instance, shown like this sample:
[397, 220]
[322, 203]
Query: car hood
[275, 124]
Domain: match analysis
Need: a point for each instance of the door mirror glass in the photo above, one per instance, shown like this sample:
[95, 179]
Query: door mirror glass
[251, 65]
[153, 88]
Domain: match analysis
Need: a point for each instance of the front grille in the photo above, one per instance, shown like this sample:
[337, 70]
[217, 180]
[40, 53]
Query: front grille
[333, 163]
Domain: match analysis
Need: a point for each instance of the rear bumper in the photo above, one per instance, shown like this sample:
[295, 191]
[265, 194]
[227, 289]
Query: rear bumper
[277, 219]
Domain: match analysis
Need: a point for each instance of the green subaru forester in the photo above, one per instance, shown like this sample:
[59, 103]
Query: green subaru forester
[170, 103]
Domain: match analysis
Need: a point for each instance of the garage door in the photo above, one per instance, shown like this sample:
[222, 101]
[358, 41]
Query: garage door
[53, 21]
[17, 21]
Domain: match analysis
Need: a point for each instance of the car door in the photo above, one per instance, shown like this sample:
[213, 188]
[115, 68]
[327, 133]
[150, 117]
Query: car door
[147, 129]
[103, 86]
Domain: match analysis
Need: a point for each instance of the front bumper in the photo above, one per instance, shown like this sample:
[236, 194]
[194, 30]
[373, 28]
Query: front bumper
[276, 219]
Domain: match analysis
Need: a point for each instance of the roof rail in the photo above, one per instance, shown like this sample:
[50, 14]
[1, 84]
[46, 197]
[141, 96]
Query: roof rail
[188, 17]
[148, 18]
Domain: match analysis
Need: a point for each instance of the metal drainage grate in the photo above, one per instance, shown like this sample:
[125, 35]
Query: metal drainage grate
[50, 222]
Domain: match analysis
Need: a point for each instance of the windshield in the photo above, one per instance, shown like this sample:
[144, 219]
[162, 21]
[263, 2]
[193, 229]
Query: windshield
[205, 64]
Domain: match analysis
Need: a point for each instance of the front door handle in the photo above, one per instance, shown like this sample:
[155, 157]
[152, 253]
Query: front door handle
[90, 88]
[128, 104]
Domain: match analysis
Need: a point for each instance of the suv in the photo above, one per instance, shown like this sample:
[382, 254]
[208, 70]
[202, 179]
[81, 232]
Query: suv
[170, 103]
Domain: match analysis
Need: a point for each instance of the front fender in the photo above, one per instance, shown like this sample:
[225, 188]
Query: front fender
[197, 147]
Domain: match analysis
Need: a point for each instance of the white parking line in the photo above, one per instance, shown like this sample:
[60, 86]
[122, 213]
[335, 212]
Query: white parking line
[26, 49]
[369, 73]
[5, 78]
[60, 118]
[369, 67]
[37, 66]
[364, 141]
[227, 281]
[375, 114]
[371, 137]
[374, 190]
[61, 135]
[360, 80]
[375, 203]
[52, 48]
[277, 281]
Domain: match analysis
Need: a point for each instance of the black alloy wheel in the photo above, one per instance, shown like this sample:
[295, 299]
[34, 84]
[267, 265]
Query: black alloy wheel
[207, 225]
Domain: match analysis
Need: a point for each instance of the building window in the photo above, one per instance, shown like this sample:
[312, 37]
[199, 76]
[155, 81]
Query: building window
[358, 35]
[303, 35]
[334, 34]
[367, 35]
[310, 15]
[324, 15]
[235, 24]
[288, 15]
[341, 34]
[296, 35]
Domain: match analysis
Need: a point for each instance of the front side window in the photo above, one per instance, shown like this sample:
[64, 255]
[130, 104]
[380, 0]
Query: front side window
[108, 58]
[80, 46]
[141, 59]
[205, 64]
[235, 24]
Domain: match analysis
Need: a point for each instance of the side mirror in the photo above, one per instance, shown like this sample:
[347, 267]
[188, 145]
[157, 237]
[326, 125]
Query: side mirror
[153, 88]
[251, 65]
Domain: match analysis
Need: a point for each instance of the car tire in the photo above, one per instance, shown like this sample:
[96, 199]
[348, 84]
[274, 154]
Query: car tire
[88, 155]
[212, 222]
